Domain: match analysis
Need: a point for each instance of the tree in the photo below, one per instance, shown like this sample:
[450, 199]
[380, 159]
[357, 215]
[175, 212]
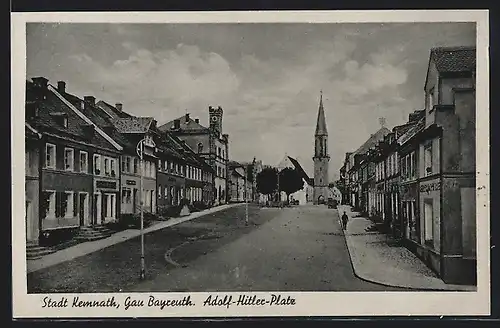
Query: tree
[267, 181]
[290, 181]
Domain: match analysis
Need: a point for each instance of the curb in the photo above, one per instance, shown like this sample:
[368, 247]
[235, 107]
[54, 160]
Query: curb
[375, 281]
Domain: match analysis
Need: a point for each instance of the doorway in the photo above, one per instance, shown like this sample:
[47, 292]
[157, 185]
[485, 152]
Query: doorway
[83, 209]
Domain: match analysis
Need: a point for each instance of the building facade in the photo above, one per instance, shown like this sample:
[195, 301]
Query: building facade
[69, 176]
[211, 144]
[32, 182]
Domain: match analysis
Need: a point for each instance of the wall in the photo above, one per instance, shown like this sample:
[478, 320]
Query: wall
[468, 211]
[432, 82]
[465, 109]
[447, 86]
[32, 189]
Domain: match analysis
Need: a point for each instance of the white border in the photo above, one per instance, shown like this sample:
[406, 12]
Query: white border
[308, 303]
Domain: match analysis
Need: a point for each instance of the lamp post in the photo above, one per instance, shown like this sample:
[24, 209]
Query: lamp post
[140, 153]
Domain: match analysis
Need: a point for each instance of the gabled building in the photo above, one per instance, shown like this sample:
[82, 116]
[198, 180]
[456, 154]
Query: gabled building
[127, 131]
[238, 183]
[306, 194]
[446, 162]
[74, 191]
[209, 143]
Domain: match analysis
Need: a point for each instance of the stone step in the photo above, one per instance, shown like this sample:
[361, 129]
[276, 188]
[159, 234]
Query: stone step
[91, 237]
[38, 253]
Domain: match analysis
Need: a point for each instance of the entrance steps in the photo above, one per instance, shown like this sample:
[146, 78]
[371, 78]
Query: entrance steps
[35, 251]
[92, 233]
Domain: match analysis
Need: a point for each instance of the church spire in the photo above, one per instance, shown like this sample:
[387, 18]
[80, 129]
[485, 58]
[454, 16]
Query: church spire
[321, 123]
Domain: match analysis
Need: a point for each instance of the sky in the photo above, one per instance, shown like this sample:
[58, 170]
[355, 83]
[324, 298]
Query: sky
[266, 77]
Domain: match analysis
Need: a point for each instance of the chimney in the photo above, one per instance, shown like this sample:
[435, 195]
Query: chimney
[89, 101]
[187, 117]
[197, 120]
[177, 124]
[119, 106]
[61, 87]
[40, 82]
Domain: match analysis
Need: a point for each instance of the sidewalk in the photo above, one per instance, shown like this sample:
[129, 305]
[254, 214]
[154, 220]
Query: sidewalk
[82, 249]
[374, 260]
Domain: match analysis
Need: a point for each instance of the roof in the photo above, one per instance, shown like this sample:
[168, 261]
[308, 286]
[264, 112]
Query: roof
[454, 59]
[412, 131]
[112, 111]
[30, 132]
[301, 171]
[372, 141]
[52, 102]
[321, 128]
[186, 124]
[133, 124]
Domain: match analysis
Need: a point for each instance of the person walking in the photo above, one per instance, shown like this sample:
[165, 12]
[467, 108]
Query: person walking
[345, 218]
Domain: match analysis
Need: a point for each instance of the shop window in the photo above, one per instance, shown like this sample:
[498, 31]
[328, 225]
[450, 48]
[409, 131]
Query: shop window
[428, 221]
[50, 156]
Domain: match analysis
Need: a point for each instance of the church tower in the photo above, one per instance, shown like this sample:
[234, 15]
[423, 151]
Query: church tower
[321, 157]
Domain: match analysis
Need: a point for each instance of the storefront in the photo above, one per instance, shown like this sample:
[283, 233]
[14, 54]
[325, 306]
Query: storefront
[105, 204]
[410, 213]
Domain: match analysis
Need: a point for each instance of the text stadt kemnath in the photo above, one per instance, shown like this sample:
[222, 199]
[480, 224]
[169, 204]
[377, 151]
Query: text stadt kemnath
[152, 301]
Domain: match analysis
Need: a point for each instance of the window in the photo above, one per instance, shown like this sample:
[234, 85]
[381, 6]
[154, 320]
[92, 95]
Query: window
[106, 166]
[159, 191]
[50, 204]
[430, 99]
[69, 159]
[159, 165]
[428, 217]
[84, 165]
[128, 166]
[218, 151]
[171, 167]
[200, 147]
[97, 164]
[166, 166]
[50, 156]
[136, 165]
[65, 122]
[69, 205]
[428, 160]
[113, 172]
[165, 193]
[124, 163]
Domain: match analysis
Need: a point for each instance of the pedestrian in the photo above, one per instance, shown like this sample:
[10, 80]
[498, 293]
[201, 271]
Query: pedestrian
[345, 218]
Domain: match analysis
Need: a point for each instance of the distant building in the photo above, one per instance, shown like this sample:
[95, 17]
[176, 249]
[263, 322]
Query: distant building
[321, 157]
[209, 143]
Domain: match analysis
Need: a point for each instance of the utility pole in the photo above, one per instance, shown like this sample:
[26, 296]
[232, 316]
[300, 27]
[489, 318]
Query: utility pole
[140, 153]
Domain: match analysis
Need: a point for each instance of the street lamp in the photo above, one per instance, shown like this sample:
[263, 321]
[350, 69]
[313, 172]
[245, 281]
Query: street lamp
[140, 153]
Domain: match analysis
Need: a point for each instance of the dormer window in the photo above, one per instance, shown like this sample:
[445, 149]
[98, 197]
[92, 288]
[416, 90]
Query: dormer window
[65, 121]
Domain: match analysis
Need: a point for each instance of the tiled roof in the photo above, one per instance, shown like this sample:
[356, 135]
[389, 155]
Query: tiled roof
[48, 103]
[133, 124]
[102, 120]
[454, 59]
[412, 131]
[111, 110]
[186, 125]
[372, 141]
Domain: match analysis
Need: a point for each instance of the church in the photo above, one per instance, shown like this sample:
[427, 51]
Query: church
[321, 157]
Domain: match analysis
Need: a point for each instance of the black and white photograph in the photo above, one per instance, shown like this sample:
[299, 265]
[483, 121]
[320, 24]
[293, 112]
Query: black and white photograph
[226, 165]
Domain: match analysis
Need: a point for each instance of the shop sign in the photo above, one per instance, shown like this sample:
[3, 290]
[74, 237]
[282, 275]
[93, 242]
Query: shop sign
[428, 187]
[131, 182]
[103, 184]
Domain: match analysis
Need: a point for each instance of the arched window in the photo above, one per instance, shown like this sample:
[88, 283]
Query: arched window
[200, 147]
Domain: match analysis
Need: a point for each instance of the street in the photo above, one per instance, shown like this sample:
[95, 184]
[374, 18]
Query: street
[293, 249]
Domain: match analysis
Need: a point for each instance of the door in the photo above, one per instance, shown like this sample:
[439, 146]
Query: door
[134, 201]
[82, 209]
[97, 209]
[105, 206]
